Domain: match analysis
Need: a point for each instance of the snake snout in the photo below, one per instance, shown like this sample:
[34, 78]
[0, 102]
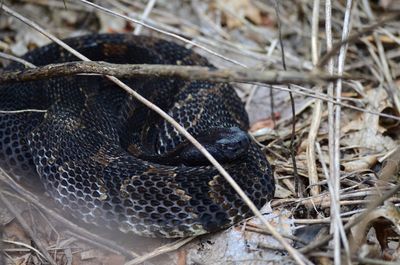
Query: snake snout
[224, 144]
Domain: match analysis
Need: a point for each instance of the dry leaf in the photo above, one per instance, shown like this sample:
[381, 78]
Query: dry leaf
[232, 9]
[310, 233]
[386, 223]
[360, 163]
[390, 4]
[389, 126]
[281, 192]
[365, 131]
[390, 166]
[264, 123]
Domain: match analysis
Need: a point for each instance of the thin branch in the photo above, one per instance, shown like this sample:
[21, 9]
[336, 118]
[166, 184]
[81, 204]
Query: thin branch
[188, 73]
[16, 59]
[146, 13]
[298, 184]
[340, 234]
[331, 132]
[161, 70]
[22, 111]
[317, 110]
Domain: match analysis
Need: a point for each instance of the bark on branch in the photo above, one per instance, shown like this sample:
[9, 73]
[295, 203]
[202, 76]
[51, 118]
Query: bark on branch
[184, 72]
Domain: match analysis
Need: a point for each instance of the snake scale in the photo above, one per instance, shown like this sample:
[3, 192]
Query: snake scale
[110, 161]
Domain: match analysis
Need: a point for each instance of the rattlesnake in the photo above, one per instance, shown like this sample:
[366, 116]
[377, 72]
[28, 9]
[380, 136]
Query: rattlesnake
[109, 160]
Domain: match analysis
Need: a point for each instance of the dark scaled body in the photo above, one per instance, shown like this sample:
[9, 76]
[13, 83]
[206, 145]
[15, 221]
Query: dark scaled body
[110, 161]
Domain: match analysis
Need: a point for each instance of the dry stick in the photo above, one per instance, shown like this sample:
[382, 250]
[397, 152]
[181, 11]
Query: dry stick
[331, 132]
[374, 204]
[317, 111]
[340, 234]
[16, 59]
[271, 91]
[27, 229]
[271, 104]
[322, 161]
[22, 111]
[162, 70]
[298, 186]
[146, 12]
[293, 252]
[184, 72]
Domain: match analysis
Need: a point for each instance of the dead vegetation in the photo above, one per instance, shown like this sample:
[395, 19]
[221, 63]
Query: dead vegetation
[343, 206]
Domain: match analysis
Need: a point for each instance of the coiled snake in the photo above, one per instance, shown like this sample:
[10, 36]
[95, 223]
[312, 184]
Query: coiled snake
[109, 160]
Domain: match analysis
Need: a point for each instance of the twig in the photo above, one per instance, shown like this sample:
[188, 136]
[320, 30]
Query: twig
[298, 184]
[340, 234]
[22, 111]
[146, 12]
[185, 72]
[16, 59]
[331, 132]
[317, 110]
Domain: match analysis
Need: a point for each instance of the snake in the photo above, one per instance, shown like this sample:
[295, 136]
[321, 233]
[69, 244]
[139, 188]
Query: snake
[109, 161]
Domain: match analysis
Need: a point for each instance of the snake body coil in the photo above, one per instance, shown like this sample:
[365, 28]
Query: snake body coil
[110, 161]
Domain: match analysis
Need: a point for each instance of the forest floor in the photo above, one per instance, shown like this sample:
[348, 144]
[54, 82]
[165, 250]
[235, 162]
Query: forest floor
[339, 203]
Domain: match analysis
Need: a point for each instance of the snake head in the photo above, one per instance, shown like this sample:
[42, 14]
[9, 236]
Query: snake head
[224, 144]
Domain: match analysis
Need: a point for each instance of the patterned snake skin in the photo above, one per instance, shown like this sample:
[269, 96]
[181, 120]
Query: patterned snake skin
[110, 161]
